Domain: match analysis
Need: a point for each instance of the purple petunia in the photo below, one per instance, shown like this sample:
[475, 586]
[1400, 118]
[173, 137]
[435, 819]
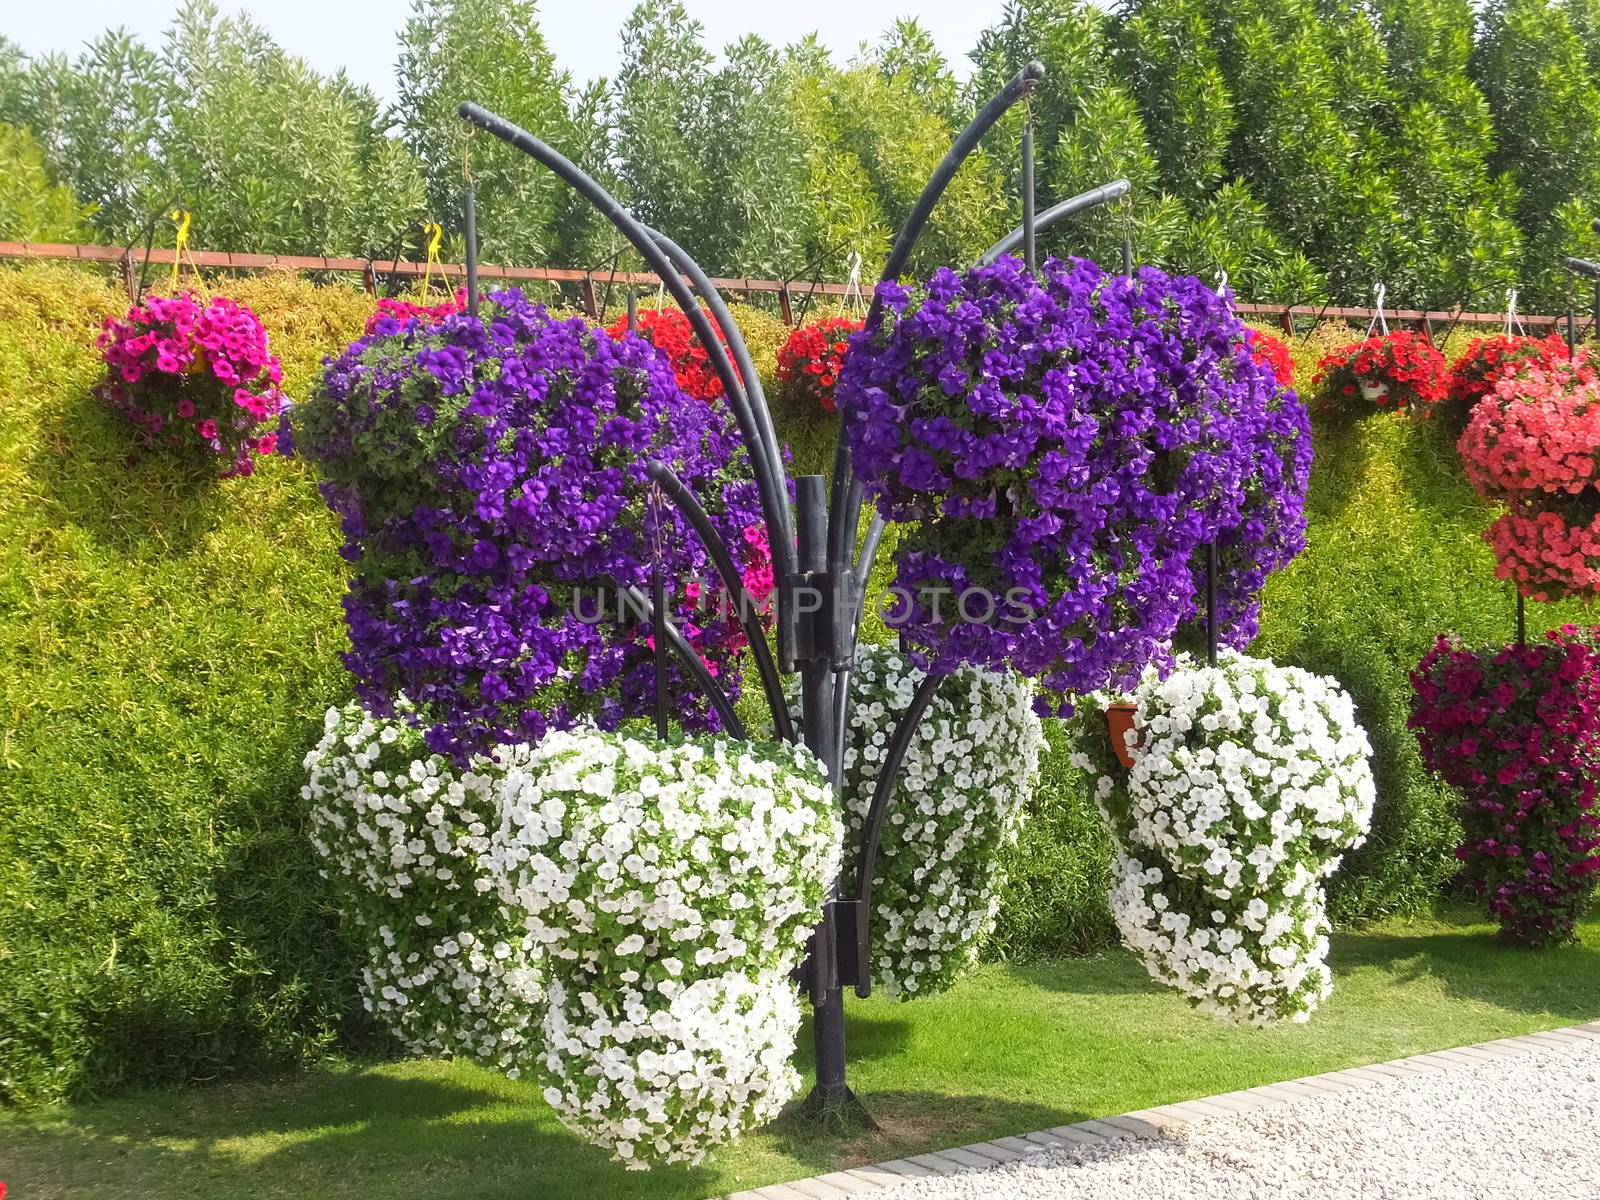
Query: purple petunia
[1068, 445]
[490, 476]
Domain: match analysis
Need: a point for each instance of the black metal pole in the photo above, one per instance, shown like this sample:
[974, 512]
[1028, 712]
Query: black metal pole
[810, 596]
[1211, 604]
[1056, 212]
[1030, 248]
[469, 205]
[633, 311]
[1127, 254]
[1522, 618]
[658, 626]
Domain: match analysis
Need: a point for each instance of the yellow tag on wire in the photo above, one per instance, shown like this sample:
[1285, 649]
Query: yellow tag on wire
[435, 236]
[180, 248]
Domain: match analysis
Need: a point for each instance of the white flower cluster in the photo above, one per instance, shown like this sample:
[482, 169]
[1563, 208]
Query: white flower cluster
[1249, 782]
[402, 834]
[671, 889]
[970, 768]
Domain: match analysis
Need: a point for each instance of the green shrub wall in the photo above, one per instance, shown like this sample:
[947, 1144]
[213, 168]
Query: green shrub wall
[169, 649]
[170, 646]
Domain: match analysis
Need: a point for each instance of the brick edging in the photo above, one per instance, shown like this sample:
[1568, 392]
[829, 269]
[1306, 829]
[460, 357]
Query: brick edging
[1165, 1118]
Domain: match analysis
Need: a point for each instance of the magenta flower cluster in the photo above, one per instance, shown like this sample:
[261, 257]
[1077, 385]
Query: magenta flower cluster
[490, 475]
[1516, 730]
[194, 373]
[1069, 444]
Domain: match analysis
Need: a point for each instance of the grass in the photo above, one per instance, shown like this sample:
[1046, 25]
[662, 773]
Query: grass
[1011, 1049]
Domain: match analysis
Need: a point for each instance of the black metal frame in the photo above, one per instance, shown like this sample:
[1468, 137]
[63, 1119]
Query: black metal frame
[813, 549]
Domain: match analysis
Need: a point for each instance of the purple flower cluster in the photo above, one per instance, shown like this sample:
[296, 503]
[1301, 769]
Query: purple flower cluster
[1069, 445]
[1516, 729]
[490, 476]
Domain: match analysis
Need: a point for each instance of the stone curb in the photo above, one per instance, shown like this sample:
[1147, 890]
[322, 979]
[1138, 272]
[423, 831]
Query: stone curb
[1165, 1119]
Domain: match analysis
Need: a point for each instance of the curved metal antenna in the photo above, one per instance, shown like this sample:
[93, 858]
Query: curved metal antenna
[888, 776]
[755, 398]
[1056, 212]
[678, 492]
[845, 504]
[641, 604]
[774, 500]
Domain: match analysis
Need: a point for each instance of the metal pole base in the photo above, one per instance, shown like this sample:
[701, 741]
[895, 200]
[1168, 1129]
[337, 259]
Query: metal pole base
[836, 1110]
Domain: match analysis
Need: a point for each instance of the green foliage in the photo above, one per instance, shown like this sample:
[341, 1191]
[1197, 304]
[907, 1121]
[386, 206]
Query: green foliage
[32, 209]
[1531, 64]
[170, 649]
[489, 52]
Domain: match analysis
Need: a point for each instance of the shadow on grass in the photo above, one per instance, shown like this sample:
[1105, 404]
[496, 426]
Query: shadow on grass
[913, 1123]
[1472, 963]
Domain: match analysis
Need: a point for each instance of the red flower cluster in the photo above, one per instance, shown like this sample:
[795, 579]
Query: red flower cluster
[669, 331]
[1397, 370]
[810, 361]
[429, 314]
[1270, 352]
[195, 374]
[1517, 731]
[1533, 442]
[1488, 360]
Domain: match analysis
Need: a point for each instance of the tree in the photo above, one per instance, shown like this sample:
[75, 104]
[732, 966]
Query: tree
[1531, 64]
[492, 53]
[662, 123]
[1164, 51]
[1088, 130]
[32, 208]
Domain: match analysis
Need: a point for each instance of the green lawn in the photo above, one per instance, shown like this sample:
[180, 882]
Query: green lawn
[1010, 1050]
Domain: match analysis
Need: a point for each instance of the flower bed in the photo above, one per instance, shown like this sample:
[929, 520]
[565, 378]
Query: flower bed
[1249, 783]
[491, 480]
[1516, 729]
[403, 835]
[194, 374]
[672, 888]
[1068, 445]
[971, 766]
[810, 362]
[1395, 371]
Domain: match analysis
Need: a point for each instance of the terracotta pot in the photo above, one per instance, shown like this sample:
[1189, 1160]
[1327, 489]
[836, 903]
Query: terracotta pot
[1119, 720]
[1373, 390]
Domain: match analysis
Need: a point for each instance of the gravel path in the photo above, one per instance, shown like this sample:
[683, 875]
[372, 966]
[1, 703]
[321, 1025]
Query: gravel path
[1525, 1126]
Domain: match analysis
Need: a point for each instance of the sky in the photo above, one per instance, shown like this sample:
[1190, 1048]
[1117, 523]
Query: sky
[330, 34]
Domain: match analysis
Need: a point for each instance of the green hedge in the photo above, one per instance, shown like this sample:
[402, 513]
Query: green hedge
[171, 645]
[169, 649]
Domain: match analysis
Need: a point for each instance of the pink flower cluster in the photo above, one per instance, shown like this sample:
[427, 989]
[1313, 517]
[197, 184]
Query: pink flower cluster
[194, 373]
[1537, 430]
[1548, 554]
[1516, 730]
[1533, 442]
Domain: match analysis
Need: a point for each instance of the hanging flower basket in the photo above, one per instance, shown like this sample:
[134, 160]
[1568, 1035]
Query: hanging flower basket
[971, 767]
[672, 888]
[493, 492]
[1250, 783]
[1516, 730]
[195, 375]
[1395, 371]
[669, 331]
[1533, 443]
[1270, 352]
[1489, 360]
[1013, 417]
[393, 313]
[810, 362]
